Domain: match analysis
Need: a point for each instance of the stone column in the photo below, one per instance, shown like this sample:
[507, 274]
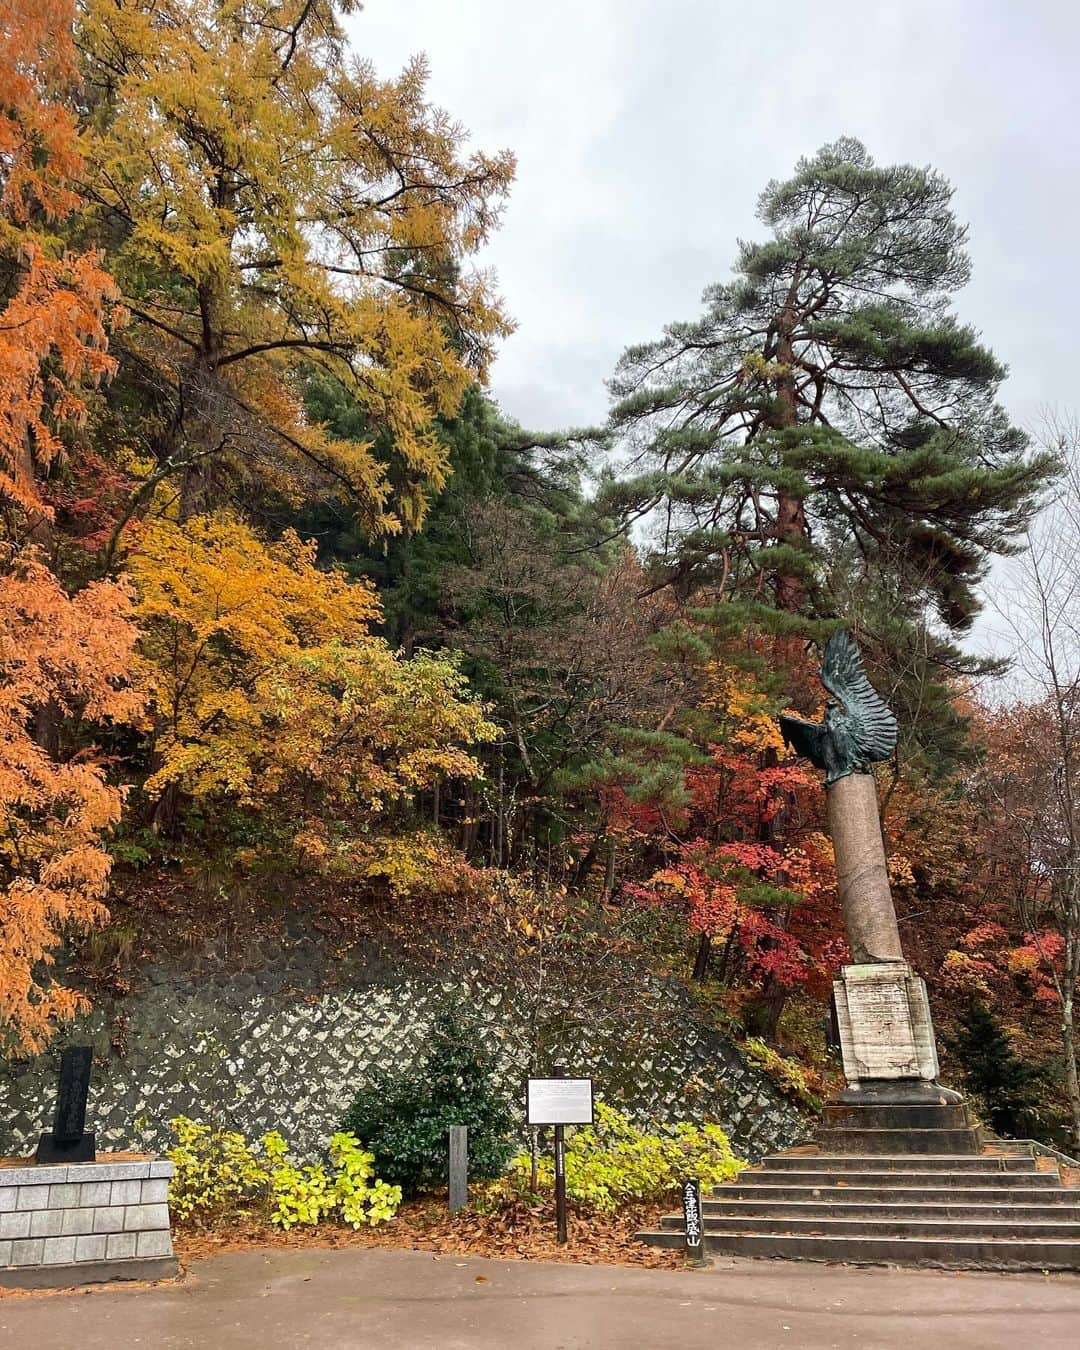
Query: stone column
[861, 873]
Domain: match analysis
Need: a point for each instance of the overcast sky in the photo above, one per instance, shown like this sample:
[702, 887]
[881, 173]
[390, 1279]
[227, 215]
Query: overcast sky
[645, 129]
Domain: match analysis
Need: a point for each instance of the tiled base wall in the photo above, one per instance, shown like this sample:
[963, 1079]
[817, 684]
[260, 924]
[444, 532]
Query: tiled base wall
[56, 1219]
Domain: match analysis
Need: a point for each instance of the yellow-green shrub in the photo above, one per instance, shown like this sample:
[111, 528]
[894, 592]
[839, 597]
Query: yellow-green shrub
[615, 1162]
[217, 1171]
[361, 1196]
[784, 1070]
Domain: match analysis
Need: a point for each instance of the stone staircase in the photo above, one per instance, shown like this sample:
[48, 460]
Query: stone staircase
[990, 1207]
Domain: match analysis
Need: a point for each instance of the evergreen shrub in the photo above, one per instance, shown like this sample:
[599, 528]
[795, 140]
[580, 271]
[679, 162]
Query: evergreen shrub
[405, 1119]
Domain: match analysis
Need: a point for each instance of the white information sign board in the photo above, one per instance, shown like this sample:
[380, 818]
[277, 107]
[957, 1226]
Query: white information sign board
[560, 1101]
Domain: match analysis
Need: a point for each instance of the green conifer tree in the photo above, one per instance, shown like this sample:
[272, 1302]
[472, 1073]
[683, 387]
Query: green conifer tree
[828, 409]
[1004, 1084]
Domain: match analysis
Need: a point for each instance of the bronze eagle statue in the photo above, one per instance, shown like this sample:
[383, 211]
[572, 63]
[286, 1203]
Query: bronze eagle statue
[858, 729]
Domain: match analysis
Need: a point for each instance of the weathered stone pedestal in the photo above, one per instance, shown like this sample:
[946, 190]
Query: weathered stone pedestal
[884, 1021]
[893, 1102]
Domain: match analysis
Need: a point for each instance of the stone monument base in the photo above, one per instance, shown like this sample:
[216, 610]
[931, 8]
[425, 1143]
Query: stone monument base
[893, 1102]
[927, 1120]
[53, 1150]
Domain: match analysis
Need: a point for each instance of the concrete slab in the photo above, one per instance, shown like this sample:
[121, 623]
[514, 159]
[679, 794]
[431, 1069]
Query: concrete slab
[400, 1300]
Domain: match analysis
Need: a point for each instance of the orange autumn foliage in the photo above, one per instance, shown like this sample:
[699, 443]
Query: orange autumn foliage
[64, 665]
[53, 325]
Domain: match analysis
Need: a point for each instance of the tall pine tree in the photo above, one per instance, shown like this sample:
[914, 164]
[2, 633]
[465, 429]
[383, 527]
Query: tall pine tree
[829, 410]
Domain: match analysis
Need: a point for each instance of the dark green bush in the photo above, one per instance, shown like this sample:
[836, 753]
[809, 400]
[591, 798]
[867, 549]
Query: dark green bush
[405, 1119]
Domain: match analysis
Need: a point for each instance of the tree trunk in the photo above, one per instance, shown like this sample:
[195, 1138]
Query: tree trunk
[762, 1017]
[701, 960]
[609, 874]
[500, 819]
[39, 530]
[584, 867]
[1072, 1079]
[166, 818]
[789, 589]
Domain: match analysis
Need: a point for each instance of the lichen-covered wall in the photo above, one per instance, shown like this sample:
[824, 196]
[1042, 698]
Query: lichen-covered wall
[256, 1052]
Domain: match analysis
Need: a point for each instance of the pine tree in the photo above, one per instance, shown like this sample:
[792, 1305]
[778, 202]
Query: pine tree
[829, 407]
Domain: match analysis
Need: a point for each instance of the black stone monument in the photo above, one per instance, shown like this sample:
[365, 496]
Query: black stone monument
[68, 1141]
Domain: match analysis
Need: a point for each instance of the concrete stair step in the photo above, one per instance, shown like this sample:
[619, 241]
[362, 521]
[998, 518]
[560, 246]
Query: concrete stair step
[827, 1226]
[884, 1194]
[835, 1139]
[872, 1176]
[879, 1162]
[918, 1116]
[950, 1253]
[778, 1210]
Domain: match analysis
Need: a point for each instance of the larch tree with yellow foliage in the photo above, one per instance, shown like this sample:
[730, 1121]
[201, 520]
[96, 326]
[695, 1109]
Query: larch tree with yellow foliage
[70, 659]
[270, 206]
[65, 661]
[55, 302]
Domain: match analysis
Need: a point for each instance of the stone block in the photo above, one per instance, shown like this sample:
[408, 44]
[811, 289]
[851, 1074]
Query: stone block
[123, 1171]
[34, 1176]
[27, 1251]
[46, 1223]
[5, 1253]
[138, 1218]
[156, 1243]
[58, 1251]
[32, 1197]
[7, 1199]
[162, 1167]
[109, 1219]
[125, 1192]
[119, 1246]
[95, 1193]
[76, 1221]
[64, 1196]
[90, 1248]
[155, 1191]
[15, 1225]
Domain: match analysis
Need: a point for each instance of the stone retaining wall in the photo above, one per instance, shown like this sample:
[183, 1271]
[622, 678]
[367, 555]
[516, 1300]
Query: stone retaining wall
[273, 1047]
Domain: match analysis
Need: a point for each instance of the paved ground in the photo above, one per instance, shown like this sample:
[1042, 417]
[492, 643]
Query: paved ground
[398, 1300]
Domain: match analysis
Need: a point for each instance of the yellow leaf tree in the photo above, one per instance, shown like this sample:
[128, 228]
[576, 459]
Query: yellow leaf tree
[269, 691]
[272, 205]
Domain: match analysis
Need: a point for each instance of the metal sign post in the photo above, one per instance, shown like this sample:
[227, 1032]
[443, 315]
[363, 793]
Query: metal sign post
[559, 1071]
[559, 1101]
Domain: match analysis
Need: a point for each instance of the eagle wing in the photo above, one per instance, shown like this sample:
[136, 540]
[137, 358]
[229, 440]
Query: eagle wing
[871, 725]
[805, 738]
